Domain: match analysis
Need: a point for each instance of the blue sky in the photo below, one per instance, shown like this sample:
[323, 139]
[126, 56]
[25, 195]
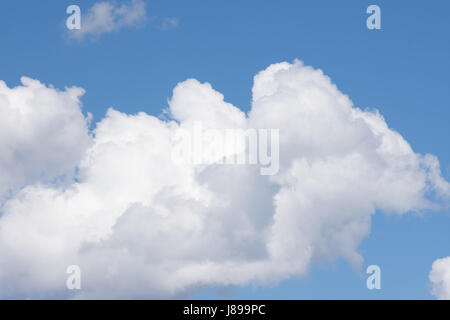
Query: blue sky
[402, 70]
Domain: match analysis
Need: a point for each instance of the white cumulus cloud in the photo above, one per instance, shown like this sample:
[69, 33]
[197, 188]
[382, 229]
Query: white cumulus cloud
[140, 225]
[43, 134]
[440, 278]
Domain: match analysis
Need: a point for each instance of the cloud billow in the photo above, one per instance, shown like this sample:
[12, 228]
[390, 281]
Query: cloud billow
[440, 278]
[142, 226]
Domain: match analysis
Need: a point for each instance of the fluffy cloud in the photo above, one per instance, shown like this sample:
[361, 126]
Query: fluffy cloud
[104, 17]
[43, 134]
[140, 225]
[440, 278]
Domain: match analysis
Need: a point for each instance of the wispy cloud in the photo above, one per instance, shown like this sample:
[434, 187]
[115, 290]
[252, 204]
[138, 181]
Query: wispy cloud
[169, 23]
[104, 17]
